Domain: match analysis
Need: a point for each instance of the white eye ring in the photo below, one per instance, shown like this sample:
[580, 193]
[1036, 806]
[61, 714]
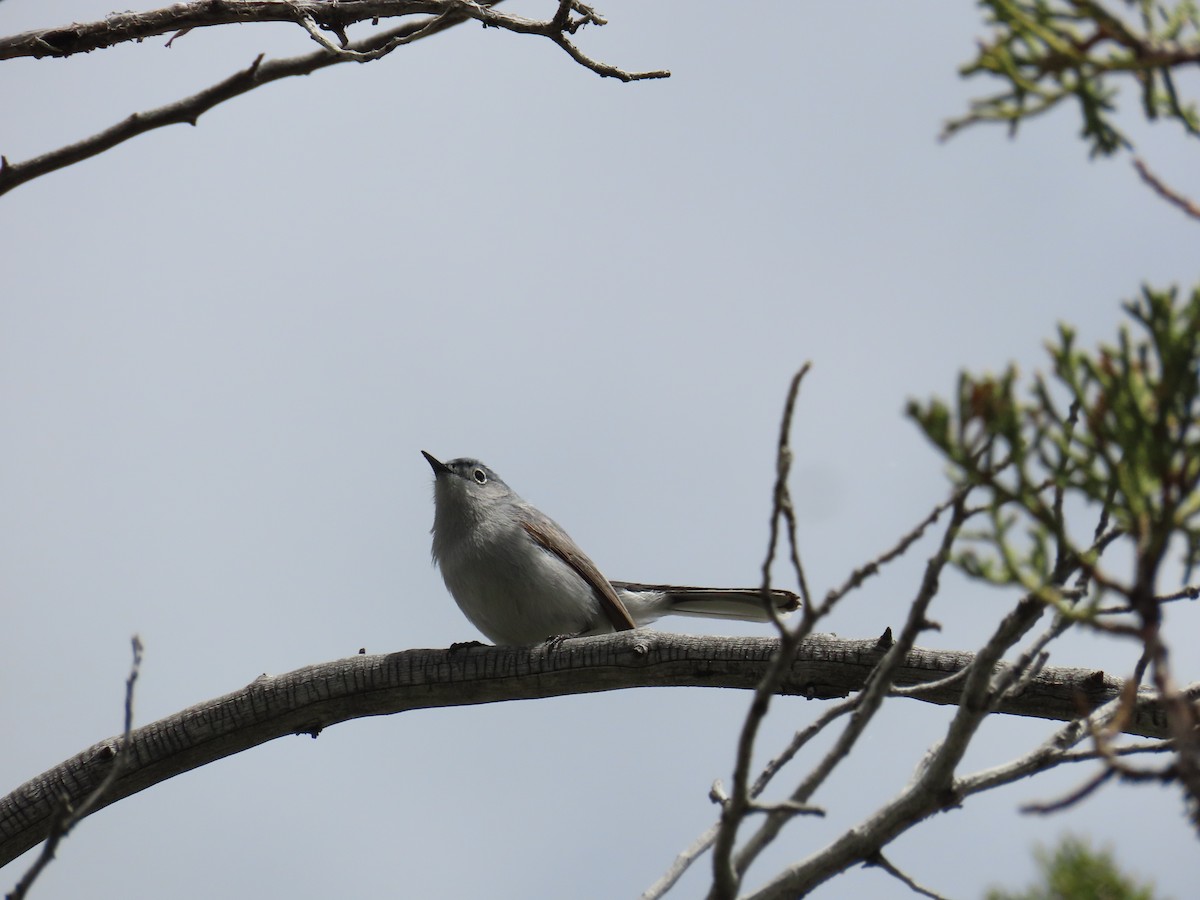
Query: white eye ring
[480, 476]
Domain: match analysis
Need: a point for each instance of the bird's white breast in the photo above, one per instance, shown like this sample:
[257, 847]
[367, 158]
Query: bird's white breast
[510, 587]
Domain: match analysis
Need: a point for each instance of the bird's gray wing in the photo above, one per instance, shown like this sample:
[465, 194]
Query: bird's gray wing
[552, 538]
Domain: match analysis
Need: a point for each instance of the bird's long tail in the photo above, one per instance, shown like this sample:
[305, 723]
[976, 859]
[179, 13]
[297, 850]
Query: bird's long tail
[719, 603]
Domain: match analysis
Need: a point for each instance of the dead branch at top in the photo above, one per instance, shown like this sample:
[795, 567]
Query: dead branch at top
[316, 17]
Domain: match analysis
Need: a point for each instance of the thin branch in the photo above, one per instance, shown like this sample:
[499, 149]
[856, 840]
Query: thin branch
[684, 860]
[882, 862]
[811, 614]
[1029, 666]
[802, 737]
[862, 573]
[782, 505]
[934, 787]
[725, 879]
[604, 70]
[1030, 663]
[346, 54]
[1084, 790]
[68, 817]
[682, 863]
[787, 807]
[1163, 190]
[875, 690]
[1191, 592]
[930, 687]
[1056, 750]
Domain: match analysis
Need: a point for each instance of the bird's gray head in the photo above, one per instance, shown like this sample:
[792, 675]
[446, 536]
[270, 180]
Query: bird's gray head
[466, 493]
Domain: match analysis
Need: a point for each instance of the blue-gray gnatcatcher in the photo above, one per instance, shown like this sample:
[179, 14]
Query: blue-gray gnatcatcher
[520, 578]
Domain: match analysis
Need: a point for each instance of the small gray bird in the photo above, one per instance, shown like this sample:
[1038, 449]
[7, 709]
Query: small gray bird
[520, 578]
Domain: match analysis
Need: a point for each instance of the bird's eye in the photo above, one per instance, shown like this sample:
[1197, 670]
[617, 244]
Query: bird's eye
[480, 476]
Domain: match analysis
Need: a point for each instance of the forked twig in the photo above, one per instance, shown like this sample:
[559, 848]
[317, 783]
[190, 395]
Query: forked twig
[69, 817]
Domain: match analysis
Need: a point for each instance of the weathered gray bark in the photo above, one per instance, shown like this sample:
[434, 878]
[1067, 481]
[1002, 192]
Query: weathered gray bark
[313, 698]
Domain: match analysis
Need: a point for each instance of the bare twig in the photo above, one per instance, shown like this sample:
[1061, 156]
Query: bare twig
[782, 502]
[787, 807]
[69, 816]
[934, 787]
[1056, 749]
[1163, 190]
[874, 691]
[1191, 592]
[683, 861]
[811, 613]
[1084, 790]
[802, 737]
[862, 573]
[882, 862]
[429, 26]
[725, 879]
[929, 687]
[931, 789]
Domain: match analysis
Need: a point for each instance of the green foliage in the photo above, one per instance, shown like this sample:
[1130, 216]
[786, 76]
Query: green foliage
[1051, 51]
[1074, 871]
[1116, 430]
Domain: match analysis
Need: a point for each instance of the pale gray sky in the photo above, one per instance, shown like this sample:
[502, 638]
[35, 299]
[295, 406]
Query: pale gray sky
[222, 348]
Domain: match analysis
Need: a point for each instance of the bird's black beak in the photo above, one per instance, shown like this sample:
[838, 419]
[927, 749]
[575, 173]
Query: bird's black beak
[439, 467]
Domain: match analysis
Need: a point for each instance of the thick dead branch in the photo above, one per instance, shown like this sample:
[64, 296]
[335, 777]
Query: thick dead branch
[310, 699]
[120, 28]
